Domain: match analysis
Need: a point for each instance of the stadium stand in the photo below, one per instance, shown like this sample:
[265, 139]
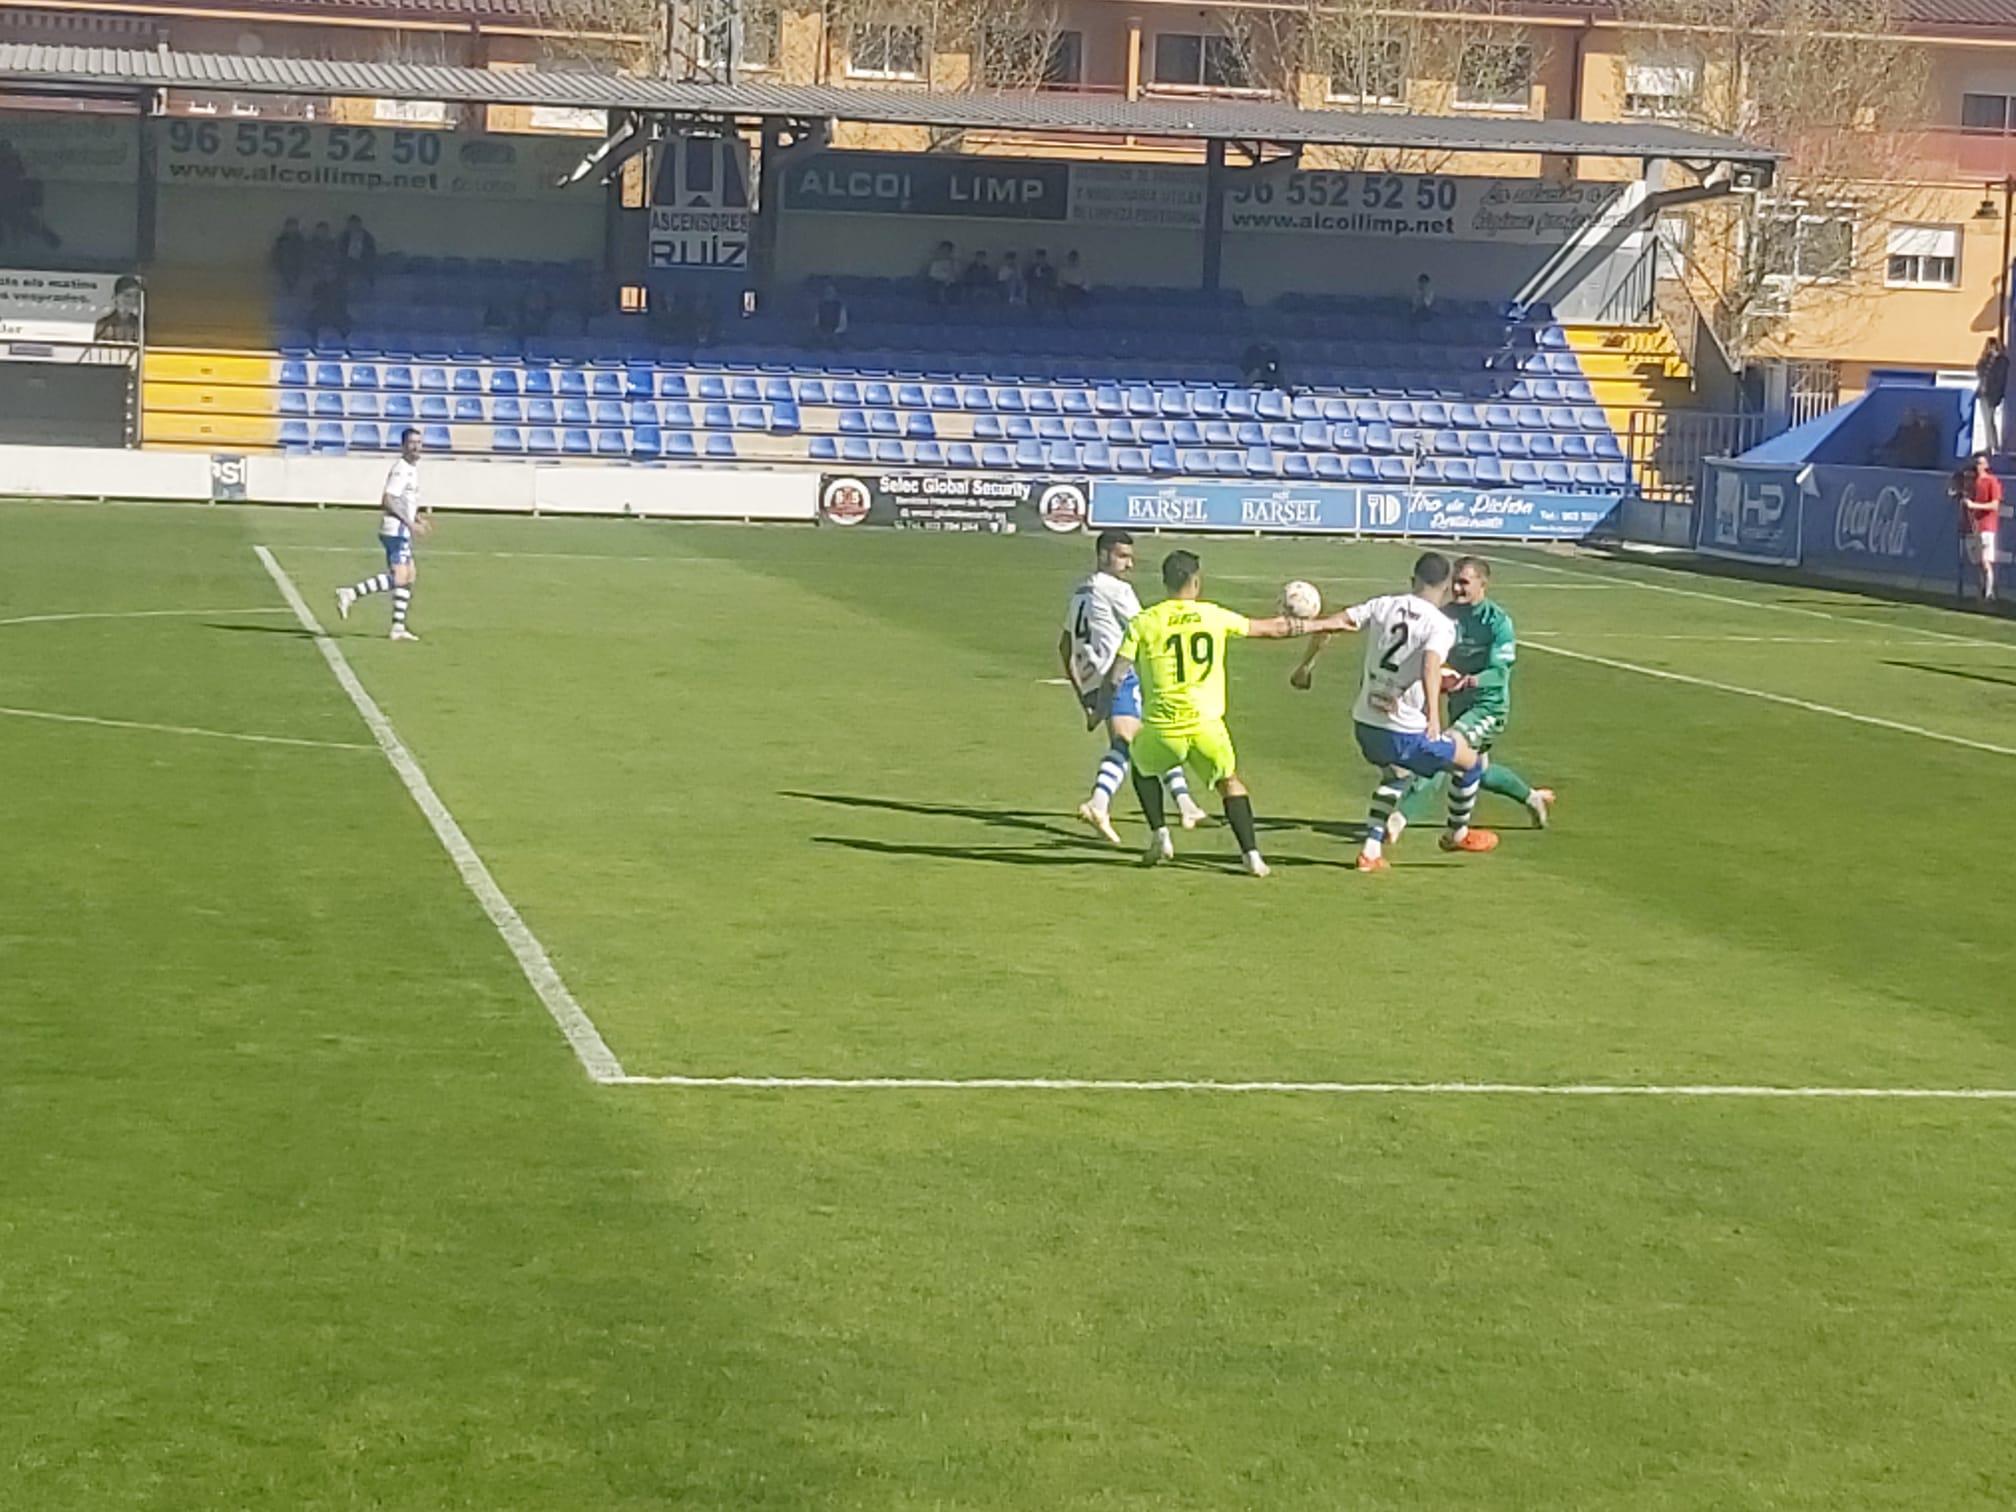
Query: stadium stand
[1143, 381]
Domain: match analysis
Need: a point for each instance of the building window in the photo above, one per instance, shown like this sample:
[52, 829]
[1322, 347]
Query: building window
[1028, 60]
[411, 112]
[1797, 244]
[1662, 85]
[1923, 257]
[711, 41]
[1369, 73]
[1190, 61]
[881, 50]
[1986, 112]
[1495, 76]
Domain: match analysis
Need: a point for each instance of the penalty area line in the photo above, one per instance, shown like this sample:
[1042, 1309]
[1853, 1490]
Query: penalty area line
[1308, 1088]
[596, 1058]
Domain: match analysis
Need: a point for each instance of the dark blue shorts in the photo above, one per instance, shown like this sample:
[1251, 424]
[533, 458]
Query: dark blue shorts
[1410, 750]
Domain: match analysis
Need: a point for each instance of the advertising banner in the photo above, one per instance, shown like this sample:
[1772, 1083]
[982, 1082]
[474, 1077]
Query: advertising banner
[69, 148]
[701, 223]
[218, 154]
[1420, 206]
[954, 501]
[1752, 514]
[1864, 524]
[76, 309]
[1405, 206]
[1349, 509]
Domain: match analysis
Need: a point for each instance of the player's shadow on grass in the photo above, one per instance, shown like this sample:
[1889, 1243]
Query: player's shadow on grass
[1968, 674]
[294, 630]
[999, 818]
[1062, 855]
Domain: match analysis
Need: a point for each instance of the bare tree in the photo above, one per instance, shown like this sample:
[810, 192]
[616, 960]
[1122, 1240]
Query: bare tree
[1830, 84]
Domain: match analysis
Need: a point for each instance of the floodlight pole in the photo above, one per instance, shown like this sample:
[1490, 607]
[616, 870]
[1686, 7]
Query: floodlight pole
[2002, 274]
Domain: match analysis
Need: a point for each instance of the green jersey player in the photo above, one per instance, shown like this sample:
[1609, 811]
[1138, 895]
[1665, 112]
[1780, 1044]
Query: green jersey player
[1479, 685]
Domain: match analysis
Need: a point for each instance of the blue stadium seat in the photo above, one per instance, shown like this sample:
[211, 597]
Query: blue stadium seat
[1172, 401]
[1272, 405]
[1085, 429]
[911, 396]
[1141, 401]
[1052, 428]
[1524, 474]
[1298, 466]
[884, 423]
[1096, 457]
[361, 406]
[1061, 456]
[785, 419]
[671, 385]
[1163, 459]
[1208, 404]
[571, 383]
[1029, 455]
[718, 447]
[293, 374]
[1459, 472]
[468, 381]
[506, 438]
[293, 402]
[1392, 469]
[1074, 401]
[745, 390]
[1241, 404]
[1259, 460]
[823, 449]
[641, 412]
[400, 407]
[469, 407]
[1011, 401]
[1591, 475]
[854, 422]
[1313, 435]
[329, 406]
[574, 412]
[1543, 447]
[1043, 401]
[1490, 472]
[811, 390]
[606, 385]
[892, 453]
[779, 391]
[1330, 467]
[576, 443]
[929, 454]
[363, 375]
[539, 381]
[1281, 435]
[1122, 432]
[329, 437]
[647, 443]
[996, 457]
[1433, 413]
[973, 397]
[680, 446]
[435, 438]
[1234, 464]
[1557, 475]
[294, 435]
[676, 414]
[1577, 449]
[845, 392]
[918, 427]
[1130, 460]
[508, 409]
[542, 411]
[753, 417]
[434, 407]
[365, 437]
[542, 441]
[1196, 462]
[611, 443]
[1361, 469]
[960, 454]
[1190, 433]
[433, 380]
[328, 375]
[396, 376]
[503, 381]
[1106, 400]
[986, 428]
[878, 396]
[1378, 439]
[716, 417]
[856, 449]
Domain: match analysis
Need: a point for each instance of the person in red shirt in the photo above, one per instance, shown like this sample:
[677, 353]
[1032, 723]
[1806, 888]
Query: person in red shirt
[1979, 493]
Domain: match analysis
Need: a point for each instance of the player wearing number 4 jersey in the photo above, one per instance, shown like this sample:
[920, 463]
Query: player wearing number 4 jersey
[1398, 712]
[1095, 620]
[1179, 649]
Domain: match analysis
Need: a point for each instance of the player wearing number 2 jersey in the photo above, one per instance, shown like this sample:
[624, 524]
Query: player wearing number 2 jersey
[1095, 621]
[1398, 712]
[1178, 647]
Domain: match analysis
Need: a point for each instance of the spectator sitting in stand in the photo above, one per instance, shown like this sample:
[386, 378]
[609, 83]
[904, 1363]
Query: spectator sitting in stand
[941, 274]
[1073, 287]
[290, 254]
[357, 254]
[1260, 366]
[1913, 445]
[1014, 291]
[978, 279]
[829, 317]
[1424, 299]
[1041, 279]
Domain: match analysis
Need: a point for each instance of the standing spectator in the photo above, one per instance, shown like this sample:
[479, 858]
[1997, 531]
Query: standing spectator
[1073, 287]
[829, 317]
[1914, 444]
[357, 254]
[1991, 389]
[290, 254]
[328, 306]
[1041, 278]
[1979, 493]
[941, 275]
[1260, 366]
[322, 260]
[978, 278]
[1014, 292]
[1424, 300]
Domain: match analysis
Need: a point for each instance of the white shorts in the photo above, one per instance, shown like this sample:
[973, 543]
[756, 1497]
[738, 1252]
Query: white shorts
[1980, 546]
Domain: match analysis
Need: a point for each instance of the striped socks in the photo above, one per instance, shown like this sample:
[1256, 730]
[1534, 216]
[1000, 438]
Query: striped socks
[1112, 772]
[1385, 798]
[1463, 789]
[401, 599]
[379, 584]
[1179, 787]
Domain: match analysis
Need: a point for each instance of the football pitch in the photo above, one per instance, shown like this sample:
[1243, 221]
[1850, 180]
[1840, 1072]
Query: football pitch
[1526, 1180]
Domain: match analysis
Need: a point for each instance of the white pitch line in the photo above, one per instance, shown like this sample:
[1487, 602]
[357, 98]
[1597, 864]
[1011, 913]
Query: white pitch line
[1392, 579]
[543, 556]
[1777, 698]
[579, 1030]
[172, 729]
[1751, 603]
[118, 614]
[1750, 640]
[1322, 1088]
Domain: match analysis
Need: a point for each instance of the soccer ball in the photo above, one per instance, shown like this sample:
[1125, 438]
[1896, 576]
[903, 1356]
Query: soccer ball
[1301, 600]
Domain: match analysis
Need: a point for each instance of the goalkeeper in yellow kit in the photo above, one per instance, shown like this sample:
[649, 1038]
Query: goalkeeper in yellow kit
[1178, 647]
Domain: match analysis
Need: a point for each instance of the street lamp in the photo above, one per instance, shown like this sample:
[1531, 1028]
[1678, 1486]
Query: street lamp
[1986, 211]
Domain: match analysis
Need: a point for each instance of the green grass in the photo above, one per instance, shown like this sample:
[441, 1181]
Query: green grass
[305, 1203]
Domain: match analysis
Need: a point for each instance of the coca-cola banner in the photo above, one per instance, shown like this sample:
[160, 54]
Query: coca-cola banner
[1863, 524]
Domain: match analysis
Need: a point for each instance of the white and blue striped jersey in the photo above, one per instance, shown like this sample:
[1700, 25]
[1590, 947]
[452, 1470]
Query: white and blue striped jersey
[1399, 629]
[402, 489]
[1096, 619]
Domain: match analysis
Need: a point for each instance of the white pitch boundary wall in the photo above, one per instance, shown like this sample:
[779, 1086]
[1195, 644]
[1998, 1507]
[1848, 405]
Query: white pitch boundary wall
[504, 486]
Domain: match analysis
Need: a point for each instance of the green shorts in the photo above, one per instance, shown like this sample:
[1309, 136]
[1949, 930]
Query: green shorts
[1206, 751]
[1479, 725]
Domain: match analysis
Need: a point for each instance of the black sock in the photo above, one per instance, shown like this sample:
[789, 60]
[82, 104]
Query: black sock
[1149, 791]
[1239, 814]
